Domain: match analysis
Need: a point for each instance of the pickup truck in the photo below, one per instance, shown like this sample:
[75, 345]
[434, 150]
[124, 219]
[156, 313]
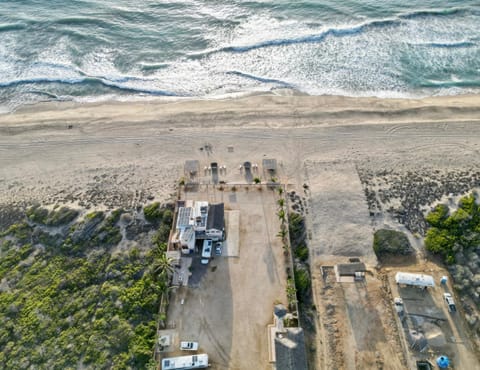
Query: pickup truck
[189, 346]
[449, 301]
[398, 303]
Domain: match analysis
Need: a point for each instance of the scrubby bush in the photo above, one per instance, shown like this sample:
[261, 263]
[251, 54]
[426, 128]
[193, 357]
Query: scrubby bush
[301, 252]
[302, 282]
[22, 232]
[451, 234]
[391, 242]
[59, 217]
[296, 226]
[152, 212]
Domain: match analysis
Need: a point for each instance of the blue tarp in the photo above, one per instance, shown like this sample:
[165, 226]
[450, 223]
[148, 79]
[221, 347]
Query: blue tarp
[443, 362]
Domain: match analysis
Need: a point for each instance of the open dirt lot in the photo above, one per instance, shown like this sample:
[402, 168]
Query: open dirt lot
[427, 313]
[230, 302]
[358, 329]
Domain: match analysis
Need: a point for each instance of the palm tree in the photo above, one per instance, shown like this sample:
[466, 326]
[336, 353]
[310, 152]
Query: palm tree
[162, 266]
[281, 202]
[257, 181]
[281, 215]
[282, 233]
[280, 191]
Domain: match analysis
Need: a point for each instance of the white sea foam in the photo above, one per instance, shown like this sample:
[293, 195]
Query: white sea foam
[197, 49]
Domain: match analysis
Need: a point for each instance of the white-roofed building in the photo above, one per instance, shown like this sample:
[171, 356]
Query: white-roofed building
[185, 362]
[200, 215]
[420, 280]
[187, 240]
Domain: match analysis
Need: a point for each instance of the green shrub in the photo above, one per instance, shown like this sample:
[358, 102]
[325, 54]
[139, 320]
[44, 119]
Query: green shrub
[450, 233]
[37, 214]
[301, 252]
[391, 242]
[296, 225]
[302, 282]
[21, 231]
[63, 216]
[153, 212]
[94, 215]
[42, 216]
[438, 216]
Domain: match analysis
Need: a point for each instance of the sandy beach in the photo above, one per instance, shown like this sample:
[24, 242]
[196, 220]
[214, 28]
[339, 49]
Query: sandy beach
[123, 153]
[61, 151]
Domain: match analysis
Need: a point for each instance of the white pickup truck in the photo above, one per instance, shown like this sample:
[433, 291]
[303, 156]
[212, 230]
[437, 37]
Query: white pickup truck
[189, 346]
[450, 302]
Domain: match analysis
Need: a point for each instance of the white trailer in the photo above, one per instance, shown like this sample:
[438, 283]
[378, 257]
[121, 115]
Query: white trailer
[185, 362]
[419, 280]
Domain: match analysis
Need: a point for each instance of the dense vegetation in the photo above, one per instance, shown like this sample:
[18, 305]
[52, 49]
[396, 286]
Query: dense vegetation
[70, 299]
[391, 242]
[301, 277]
[450, 233]
[456, 237]
[301, 269]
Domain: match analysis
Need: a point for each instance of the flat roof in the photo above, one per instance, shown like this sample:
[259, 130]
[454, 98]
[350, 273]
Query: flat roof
[216, 217]
[408, 278]
[187, 234]
[185, 362]
[349, 269]
[269, 164]
[192, 166]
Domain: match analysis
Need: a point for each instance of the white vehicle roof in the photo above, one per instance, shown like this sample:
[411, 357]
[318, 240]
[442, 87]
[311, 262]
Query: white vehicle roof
[414, 279]
[185, 362]
[207, 249]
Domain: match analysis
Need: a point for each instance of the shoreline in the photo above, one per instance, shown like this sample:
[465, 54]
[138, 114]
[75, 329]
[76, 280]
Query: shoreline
[286, 110]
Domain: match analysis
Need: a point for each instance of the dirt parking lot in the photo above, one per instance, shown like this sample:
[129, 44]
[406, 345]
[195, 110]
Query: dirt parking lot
[427, 313]
[229, 303]
[358, 326]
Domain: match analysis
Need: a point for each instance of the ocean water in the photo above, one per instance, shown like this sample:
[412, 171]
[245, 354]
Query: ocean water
[90, 50]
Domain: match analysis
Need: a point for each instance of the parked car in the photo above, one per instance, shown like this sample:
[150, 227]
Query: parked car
[450, 302]
[398, 302]
[206, 251]
[189, 346]
[218, 249]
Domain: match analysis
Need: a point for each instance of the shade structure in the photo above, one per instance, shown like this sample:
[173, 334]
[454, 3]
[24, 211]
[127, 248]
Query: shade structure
[443, 362]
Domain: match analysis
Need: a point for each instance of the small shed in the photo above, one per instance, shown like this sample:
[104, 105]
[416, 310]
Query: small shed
[348, 272]
[270, 165]
[418, 280]
[191, 168]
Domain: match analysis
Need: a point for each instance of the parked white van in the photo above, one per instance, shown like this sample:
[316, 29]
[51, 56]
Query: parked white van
[206, 251]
